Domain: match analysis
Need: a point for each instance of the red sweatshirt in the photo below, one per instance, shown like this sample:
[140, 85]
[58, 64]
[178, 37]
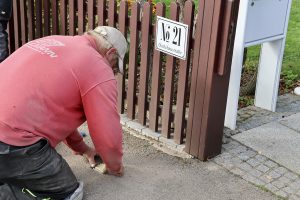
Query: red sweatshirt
[50, 86]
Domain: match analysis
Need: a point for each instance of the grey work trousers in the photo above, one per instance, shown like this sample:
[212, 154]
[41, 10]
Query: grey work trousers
[38, 168]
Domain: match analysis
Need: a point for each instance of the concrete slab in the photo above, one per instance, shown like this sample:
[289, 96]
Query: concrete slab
[153, 175]
[276, 142]
[292, 122]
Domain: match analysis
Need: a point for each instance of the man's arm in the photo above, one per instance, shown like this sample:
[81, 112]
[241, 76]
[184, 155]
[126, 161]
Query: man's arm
[76, 143]
[100, 107]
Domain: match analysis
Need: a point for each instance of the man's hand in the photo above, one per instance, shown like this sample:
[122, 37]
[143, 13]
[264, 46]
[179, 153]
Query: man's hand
[89, 155]
[119, 173]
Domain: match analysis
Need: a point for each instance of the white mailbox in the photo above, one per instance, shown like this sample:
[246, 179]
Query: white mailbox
[262, 22]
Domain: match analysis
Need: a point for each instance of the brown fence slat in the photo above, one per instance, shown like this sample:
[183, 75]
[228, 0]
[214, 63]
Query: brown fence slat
[215, 24]
[145, 61]
[196, 49]
[23, 11]
[46, 26]
[101, 12]
[63, 17]
[11, 38]
[91, 19]
[30, 16]
[72, 15]
[39, 19]
[201, 75]
[156, 78]
[112, 10]
[132, 79]
[17, 23]
[183, 76]
[123, 14]
[81, 17]
[226, 40]
[54, 11]
[169, 81]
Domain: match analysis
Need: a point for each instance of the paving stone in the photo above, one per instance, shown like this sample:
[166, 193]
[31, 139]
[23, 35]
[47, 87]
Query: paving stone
[246, 167]
[284, 180]
[280, 170]
[255, 173]
[266, 178]
[253, 180]
[151, 134]
[274, 174]
[279, 184]
[288, 190]
[294, 197]
[263, 168]
[253, 162]
[246, 155]
[271, 164]
[135, 126]
[295, 185]
[261, 158]
[235, 161]
[282, 194]
[237, 171]
[292, 176]
[226, 155]
[271, 187]
[298, 193]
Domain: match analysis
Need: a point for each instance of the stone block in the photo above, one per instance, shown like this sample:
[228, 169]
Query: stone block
[151, 134]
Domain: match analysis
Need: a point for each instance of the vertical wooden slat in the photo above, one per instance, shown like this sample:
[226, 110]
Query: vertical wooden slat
[134, 36]
[11, 38]
[112, 10]
[81, 17]
[30, 15]
[145, 61]
[46, 5]
[39, 20]
[169, 81]
[189, 146]
[216, 89]
[123, 15]
[91, 19]
[72, 15]
[202, 75]
[156, 78]
[101, 12]
[54, 6]
[63, 17]
[17, 23]
[23, 11]
[183, 76]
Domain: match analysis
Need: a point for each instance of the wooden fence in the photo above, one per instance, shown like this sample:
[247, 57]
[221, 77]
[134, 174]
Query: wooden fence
[168, 95]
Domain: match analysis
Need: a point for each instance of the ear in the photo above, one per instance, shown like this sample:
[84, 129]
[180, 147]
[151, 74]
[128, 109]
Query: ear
[111, 51]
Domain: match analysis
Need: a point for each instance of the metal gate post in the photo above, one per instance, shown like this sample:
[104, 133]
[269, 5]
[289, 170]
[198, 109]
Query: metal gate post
[205, 129]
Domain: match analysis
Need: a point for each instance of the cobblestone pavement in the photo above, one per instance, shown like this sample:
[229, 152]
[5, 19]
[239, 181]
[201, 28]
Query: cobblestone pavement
[249, 164]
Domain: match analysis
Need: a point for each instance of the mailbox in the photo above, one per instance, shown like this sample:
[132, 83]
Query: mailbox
[266, 19]
[261, 22]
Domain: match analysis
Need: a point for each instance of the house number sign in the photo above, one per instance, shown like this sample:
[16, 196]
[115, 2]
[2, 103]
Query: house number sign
[171, 37]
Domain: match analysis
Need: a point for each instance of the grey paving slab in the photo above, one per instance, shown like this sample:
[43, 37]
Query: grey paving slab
[292, 122]
[276, 142]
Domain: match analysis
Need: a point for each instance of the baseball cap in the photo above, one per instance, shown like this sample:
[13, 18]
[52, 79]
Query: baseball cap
[116, 39]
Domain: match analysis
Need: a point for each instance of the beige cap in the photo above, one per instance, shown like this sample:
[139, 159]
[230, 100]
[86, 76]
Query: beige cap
[116, 39]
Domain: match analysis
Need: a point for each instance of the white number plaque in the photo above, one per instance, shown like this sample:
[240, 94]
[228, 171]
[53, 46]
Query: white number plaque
[171, 37]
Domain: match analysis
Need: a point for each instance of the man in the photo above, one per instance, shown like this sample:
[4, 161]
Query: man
[48, 88]
[5, 13]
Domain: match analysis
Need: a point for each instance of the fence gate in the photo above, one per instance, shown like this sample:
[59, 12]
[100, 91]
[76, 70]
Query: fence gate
[182, 100]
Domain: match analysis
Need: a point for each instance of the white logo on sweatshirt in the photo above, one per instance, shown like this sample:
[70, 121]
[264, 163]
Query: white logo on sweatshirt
[43, 46]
